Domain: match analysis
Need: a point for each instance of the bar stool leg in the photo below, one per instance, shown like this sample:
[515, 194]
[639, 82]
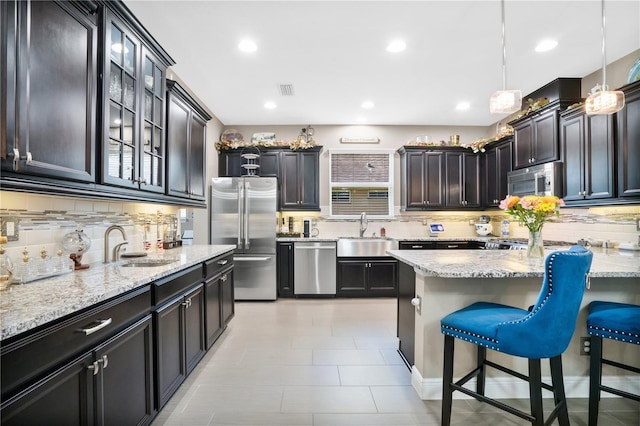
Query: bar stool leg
[481, 378]
[535, 392]
[595, 379]
[558, 389]
[447, 379]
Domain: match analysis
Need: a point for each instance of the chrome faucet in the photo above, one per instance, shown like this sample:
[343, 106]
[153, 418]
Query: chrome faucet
[363, 223]
[116, 249]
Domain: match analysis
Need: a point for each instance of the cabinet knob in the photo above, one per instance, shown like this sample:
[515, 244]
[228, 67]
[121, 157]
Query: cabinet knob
[29, 158]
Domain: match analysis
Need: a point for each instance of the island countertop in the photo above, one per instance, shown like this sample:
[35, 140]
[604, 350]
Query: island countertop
[26, 306]
[610, 263]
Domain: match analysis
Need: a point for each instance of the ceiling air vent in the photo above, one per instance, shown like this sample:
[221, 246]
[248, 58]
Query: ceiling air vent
[286, 89]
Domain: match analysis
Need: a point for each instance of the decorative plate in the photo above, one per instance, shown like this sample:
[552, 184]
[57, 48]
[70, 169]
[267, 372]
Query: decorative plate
[231, 135]
[634, 72]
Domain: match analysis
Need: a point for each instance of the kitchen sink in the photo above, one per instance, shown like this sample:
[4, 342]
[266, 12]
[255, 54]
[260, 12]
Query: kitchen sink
[365, 246]
[147, 263]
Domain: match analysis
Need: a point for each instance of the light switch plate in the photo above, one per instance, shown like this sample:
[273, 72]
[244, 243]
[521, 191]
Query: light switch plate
[9, 227]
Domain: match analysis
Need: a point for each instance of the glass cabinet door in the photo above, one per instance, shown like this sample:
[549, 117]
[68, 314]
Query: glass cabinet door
[153, 145]
[121, 156]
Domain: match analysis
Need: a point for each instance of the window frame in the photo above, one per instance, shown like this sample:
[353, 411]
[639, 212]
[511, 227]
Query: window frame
[387, 185]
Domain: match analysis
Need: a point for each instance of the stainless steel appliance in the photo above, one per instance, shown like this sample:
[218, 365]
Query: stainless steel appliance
[314, 268]
[243, 210]
[543, 179]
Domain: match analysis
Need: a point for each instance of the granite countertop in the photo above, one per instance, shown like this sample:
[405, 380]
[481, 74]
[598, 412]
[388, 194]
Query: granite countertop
[510, 263]
[26, 306]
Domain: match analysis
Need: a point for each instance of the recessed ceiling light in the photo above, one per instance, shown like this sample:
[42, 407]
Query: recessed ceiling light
[270, 105]
[546, 45]
[247, 46]
[463, 106]
[368, 105]
[396, 46]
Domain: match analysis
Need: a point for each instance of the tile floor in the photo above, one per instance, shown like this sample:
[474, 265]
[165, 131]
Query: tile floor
[327, 362]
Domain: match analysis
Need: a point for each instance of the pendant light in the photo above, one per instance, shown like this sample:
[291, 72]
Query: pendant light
[602, 101]
[505, 101]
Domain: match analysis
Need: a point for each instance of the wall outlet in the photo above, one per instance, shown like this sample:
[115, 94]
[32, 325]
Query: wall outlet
[585, 346]
[9, 227]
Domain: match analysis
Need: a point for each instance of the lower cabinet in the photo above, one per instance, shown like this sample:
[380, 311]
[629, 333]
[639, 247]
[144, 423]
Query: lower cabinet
[284, 255]
[219, 304]
[111, 384]
[118, 362]
[180, 340]
[362, 277]
[406, 312]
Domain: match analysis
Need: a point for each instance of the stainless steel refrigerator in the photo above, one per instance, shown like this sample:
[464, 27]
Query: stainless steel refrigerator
[243, 213]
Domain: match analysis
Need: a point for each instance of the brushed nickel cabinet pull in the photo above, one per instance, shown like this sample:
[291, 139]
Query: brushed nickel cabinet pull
[90, 330]
[95, 367]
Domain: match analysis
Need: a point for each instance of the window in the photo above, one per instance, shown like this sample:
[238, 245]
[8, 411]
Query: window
[361, 181]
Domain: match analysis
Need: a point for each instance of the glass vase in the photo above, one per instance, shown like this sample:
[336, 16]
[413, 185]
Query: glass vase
[535, 246]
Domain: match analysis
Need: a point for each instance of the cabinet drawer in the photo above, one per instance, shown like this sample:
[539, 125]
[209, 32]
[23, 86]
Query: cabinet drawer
[216, 265]
[170, 286]
[28, 358]
[416, 245]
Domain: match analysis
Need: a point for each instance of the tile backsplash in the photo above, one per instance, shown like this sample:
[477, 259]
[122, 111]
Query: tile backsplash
[44, 220]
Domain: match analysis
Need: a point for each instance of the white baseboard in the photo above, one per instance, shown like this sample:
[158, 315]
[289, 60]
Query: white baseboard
[511, 387]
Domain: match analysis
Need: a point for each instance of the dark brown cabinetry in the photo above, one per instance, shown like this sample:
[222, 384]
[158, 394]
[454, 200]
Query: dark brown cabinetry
[406, 313]
[462, 180]
[230, 163]
[219, 296]
[284, 256]
[133, 148]
[628, 143]
[180, 329]
[298, 174]
[588, 156]
[186, 154]
[536, 139]
[422, 178]
[439, 178]
[49, 89]
[498, 162]
[299, 181]
[93, 368]
[367, 277]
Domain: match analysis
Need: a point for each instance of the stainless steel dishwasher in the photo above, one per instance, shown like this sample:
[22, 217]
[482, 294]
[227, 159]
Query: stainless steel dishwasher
[314, 268]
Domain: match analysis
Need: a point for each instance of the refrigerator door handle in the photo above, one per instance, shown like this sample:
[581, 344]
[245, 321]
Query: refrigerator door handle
[247, 240]
[240, 214]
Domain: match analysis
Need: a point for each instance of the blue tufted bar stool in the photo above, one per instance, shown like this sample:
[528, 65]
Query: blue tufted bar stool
[543, 331]
[610, 320]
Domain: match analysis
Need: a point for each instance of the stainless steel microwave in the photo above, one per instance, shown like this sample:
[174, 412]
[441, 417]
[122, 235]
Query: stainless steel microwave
[543, 179]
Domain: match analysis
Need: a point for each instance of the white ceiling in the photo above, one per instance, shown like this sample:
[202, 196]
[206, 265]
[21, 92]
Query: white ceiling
[333, 52]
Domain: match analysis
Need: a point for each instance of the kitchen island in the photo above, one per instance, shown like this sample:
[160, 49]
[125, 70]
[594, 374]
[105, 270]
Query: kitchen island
[445, 281]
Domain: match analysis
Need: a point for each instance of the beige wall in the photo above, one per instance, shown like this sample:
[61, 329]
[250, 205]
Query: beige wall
[617, 73]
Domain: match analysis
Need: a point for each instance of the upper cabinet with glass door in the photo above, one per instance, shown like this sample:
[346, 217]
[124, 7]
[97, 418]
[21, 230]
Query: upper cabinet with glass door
[134, 86]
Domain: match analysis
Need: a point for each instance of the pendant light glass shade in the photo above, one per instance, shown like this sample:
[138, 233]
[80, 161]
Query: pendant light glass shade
[505, 101]
[602, 101]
